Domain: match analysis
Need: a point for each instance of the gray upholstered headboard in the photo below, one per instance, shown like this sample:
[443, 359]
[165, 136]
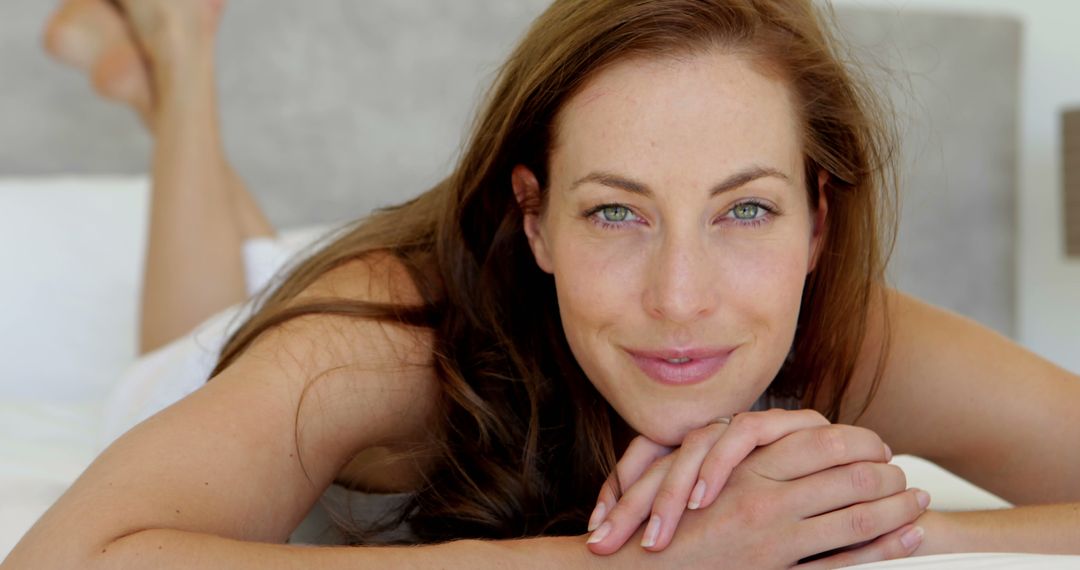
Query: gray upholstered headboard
[339, 106]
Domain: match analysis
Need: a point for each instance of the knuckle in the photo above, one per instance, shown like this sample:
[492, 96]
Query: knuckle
[872, 438]
[667, 496]
[862, 523]
[865, 478]
[831, 442]
[815, 416]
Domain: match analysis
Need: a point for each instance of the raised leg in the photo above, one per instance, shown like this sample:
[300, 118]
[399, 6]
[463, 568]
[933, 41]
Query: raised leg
[157, 56]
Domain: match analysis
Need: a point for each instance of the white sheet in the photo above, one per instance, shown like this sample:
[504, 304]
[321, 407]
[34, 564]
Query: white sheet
[46, 445]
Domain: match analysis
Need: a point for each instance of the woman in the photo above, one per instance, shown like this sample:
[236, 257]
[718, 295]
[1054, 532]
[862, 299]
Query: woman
[668, 209]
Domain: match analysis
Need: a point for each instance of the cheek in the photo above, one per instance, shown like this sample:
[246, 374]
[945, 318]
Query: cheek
[595, 282]
[766, 297]
[764, 284]
[768, 276]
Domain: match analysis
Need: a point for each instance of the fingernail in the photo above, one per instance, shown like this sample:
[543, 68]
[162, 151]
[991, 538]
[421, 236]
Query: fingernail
[924, 499]
[888, 453]
[652, 532]
[697, 495]
[597, 516]
[600, 533]
[912, 538]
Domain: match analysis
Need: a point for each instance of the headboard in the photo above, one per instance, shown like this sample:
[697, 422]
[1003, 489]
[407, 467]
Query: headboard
[340, 106]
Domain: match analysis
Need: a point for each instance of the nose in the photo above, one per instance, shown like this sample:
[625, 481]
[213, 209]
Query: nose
[682, 284]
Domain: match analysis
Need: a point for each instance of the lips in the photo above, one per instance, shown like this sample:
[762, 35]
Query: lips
[679, 367]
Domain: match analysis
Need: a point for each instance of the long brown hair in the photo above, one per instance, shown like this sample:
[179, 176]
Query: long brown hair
[526, 438]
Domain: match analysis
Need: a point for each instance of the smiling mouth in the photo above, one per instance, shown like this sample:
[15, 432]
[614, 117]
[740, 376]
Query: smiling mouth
[680, 367]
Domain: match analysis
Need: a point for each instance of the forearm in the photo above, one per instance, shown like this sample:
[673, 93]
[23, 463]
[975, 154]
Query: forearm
[178, 549]
[200, 211]
[1046, 529]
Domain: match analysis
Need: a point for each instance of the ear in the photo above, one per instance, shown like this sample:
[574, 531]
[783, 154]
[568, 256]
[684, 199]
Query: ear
[819, 216]
[527, 194]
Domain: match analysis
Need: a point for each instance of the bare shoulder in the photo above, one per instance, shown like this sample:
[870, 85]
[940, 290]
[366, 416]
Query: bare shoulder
[378, 277]
[961, 394]
[375, 378]
[380, 371]
[907, 339]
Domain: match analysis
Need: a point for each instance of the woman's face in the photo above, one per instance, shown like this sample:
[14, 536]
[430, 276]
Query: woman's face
[679, 234]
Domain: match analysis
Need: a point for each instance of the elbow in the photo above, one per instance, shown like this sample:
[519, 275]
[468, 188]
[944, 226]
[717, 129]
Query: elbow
[62, 553]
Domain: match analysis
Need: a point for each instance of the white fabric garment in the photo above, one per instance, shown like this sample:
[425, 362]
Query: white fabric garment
[168, 374]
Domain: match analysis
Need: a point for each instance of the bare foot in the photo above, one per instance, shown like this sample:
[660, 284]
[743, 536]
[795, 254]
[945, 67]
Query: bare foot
[123, 46]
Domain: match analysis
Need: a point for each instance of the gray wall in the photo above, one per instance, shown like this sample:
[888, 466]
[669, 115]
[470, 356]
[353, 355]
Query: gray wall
[334, 107]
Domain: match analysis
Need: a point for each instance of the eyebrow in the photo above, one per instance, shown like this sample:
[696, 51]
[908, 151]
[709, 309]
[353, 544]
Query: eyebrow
[732, 182]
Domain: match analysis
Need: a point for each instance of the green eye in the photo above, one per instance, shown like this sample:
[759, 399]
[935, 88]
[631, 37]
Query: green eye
[615, 213]
[748, 211]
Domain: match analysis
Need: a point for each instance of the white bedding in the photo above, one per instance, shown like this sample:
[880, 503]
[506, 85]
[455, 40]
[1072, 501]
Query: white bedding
[45, 445]
[75, 315]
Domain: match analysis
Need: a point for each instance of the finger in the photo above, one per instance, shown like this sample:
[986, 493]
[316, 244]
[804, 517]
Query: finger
[632, 509]
[838, 487]
[640, 454]
[811, 450]
[674, 494]
[899, 543]
[859, 523]
[747, 432]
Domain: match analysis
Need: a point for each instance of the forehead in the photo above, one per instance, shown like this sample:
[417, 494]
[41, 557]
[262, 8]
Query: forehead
[713, 108]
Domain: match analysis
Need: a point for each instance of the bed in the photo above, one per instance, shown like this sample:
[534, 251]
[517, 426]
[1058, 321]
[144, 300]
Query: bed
[316, 135]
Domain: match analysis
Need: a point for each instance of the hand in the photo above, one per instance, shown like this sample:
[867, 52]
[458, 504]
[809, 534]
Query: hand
[123, 45]
[710, 454]
[693, 477]
[771, 515]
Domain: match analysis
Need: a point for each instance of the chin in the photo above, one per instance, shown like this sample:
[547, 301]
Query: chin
[668, 435]
[667, 439]
[669, 424]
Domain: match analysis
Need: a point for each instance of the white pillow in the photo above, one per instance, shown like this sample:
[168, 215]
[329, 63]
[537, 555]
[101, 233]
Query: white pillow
[71, 253]
[71, 250]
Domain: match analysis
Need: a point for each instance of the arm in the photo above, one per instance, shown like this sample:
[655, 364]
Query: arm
[226, 461]
[983, 407]
[179, 549]
[214, 480]
[157, 57]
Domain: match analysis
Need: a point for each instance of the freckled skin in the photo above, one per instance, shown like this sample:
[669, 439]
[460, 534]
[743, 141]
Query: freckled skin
[681, 271]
